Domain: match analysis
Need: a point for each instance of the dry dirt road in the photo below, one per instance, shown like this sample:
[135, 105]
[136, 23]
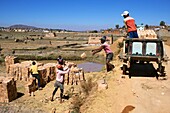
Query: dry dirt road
[135, 95]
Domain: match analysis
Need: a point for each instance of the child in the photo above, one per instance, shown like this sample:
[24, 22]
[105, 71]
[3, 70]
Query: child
[34, 72]
[59, 81]
[109, 53]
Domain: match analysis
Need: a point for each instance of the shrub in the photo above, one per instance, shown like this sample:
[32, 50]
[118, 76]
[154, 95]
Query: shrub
[1, 60]
[120, 45]
[42, 48]
[87, 86]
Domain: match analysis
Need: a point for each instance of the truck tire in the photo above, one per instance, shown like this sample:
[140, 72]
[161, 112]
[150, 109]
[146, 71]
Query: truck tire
[124, 69]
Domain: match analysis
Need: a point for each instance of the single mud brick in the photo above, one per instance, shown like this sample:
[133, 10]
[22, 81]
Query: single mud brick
[8, 89]
[102, 85]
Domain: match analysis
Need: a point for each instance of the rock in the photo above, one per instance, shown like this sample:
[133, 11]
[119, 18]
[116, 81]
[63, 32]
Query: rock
[68, 111]
[53, 110]
[123, 76]
[162, 93]
[102, 85]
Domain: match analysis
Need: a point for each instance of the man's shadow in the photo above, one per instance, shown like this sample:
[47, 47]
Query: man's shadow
[127, 109]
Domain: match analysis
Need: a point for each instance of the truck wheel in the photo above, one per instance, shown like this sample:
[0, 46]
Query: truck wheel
[124, 69]
[161, 68]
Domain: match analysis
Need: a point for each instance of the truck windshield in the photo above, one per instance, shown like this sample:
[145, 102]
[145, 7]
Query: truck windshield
[151, 48]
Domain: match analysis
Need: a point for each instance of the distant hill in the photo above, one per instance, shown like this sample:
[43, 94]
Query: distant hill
[22, 26]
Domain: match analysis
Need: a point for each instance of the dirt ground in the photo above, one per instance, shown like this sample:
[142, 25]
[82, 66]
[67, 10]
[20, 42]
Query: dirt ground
[136, 95]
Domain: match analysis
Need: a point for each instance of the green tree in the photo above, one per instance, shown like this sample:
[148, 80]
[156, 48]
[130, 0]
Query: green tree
[117, 26]
[94, 31]
[109, 29]
[162, 23]
[123, 27]
[146, 26]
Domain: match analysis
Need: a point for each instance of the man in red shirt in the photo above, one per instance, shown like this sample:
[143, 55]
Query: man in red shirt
[130, 25]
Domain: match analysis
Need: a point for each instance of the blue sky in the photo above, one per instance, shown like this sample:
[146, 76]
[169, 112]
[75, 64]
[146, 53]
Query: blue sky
[82, 14]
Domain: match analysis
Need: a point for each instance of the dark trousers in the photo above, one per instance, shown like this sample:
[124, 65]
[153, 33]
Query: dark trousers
[58, 85]
[37, 77]
[133, 34]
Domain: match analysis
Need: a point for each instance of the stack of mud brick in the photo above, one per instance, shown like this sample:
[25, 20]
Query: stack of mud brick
[75, 76]
[31, 86]
[20, 71]
[147, 34]
[10, 60]
[8, 89]
[47, 73]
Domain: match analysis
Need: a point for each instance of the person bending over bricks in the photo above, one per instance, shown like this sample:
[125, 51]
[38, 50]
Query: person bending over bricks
[59, 83]
[34, 72]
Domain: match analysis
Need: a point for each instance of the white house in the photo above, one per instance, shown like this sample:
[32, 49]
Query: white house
[140, 27]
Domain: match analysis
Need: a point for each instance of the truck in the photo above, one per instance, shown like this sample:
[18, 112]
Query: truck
[148, 48]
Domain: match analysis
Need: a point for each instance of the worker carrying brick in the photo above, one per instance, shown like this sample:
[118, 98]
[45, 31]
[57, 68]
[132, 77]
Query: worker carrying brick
[108, 51]
[59, 83]
[130, 25]
[34, 72]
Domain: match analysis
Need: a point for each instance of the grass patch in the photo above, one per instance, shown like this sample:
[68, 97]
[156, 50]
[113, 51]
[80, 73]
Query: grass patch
[79, 99]
[2, 59]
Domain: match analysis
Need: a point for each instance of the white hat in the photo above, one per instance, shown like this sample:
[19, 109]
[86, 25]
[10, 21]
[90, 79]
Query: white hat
[125, 13]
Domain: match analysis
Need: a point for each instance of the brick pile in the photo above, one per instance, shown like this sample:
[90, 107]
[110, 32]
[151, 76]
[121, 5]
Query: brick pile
[8, 89]
[76, 75]
[50, 71]
[10, 60]
[20, 71]
[47, 73]
[96, 40]
[147, 34]
[31, 86]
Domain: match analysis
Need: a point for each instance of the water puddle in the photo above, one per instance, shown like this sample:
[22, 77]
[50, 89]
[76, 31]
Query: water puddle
[91, 66]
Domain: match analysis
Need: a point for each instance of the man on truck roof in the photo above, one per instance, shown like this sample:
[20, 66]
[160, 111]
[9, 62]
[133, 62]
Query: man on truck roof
[130, 25]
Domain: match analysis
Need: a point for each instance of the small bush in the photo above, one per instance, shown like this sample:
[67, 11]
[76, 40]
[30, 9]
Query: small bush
[1, 60]
[42, 48]
[120, 45]
[76, 104]
[87, 86]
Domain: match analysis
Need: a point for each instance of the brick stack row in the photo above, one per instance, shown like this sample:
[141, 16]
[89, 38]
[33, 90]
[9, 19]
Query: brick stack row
[8, 89]
[50, 71]
[47, 73]
[147, 34]
[75, 76]
[10, 60]
[20, 71]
